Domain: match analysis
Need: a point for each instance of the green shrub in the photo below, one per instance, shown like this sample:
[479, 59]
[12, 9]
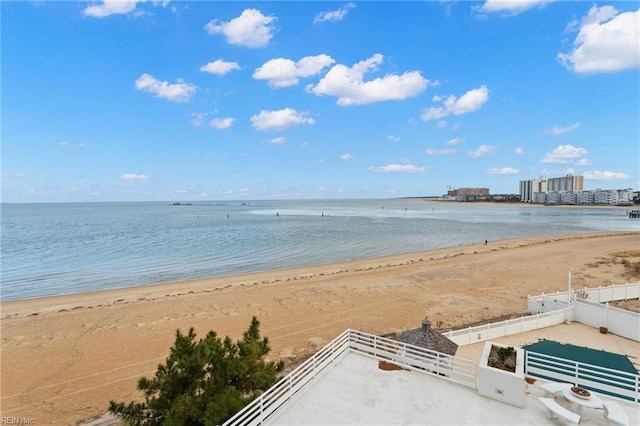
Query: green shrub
[203, 382]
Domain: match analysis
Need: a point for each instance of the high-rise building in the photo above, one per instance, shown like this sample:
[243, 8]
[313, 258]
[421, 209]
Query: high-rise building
[530, 187]
[467, 191]
[566, 183]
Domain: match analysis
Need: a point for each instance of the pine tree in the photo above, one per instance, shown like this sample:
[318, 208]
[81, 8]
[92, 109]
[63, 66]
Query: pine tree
[203, 382]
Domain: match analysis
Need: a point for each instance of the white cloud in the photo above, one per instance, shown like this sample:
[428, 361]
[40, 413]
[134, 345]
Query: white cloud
[598, 175]
[556, 130]
[398, 168]
[393, 138]
[104, 8]
[519, 150]
[455, 141]
[503, 171]
[132, 177]
[281, 72]
[564, 154]
[334, 15]
[347, 157]
[583, 162]
[482, 151]
[280, 120]
[607, 42]
[349, 86]
[511, 7]
[444, 151]
[220, 67]
[277, 141]
[222, 123]
[110, 7]
[250, 29]
[12, 175]
[177, 92]
[469, 102]
[67, 144]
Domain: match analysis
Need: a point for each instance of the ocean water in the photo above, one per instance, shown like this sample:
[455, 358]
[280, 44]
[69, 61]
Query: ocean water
[53, 249]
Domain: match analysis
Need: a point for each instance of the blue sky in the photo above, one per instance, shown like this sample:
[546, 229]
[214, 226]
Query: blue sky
[197, 101]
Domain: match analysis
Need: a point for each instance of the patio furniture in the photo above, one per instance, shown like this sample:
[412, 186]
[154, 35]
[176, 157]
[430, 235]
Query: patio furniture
[615, 413]
[554, 388]
[554, 410]
[590, 401]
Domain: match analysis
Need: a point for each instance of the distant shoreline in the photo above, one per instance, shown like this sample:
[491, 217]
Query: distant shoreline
[535, 205]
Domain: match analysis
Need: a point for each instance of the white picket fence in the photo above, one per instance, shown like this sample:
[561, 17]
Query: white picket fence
[481, 333]
[600, 294]
[552, 309]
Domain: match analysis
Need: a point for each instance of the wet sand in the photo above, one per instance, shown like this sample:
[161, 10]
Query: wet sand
[63, 358]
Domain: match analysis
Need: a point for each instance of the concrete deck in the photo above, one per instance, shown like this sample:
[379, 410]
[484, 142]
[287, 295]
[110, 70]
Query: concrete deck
[356, 391]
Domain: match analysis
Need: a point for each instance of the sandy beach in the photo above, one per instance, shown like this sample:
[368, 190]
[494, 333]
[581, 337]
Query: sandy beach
[63, 358]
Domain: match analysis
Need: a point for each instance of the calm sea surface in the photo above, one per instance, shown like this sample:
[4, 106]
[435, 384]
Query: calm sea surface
[52, 249]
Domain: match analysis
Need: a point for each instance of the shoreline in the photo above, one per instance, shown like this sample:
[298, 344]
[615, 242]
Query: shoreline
[216, 283]
[72, 275]
[98, 344]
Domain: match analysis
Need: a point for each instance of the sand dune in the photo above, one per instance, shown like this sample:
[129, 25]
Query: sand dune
[64, 358]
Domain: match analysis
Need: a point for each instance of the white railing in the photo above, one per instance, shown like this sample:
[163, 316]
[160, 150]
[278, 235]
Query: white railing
[481, 333]
[411, 357]
[600, 294]
[260, 408]
[613, 383]
[589, 307]
[612, 293]
[415, 358]
[547, 302]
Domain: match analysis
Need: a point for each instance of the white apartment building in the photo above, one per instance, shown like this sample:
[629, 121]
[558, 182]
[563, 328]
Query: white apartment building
[584, 197]
[528, 189]
[540, 197]
[568, 197]
[569, 190]
[553, 198]
[613, 196]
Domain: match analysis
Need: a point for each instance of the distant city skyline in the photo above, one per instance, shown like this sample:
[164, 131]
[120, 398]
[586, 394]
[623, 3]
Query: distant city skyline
[196, 101]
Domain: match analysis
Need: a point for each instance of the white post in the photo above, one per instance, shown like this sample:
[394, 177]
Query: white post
[569, 308]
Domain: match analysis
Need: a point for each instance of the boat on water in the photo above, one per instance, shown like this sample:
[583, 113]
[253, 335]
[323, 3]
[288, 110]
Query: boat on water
[633, 214]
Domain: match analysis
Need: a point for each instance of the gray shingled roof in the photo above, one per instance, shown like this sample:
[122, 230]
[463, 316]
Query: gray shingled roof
[425, 337]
